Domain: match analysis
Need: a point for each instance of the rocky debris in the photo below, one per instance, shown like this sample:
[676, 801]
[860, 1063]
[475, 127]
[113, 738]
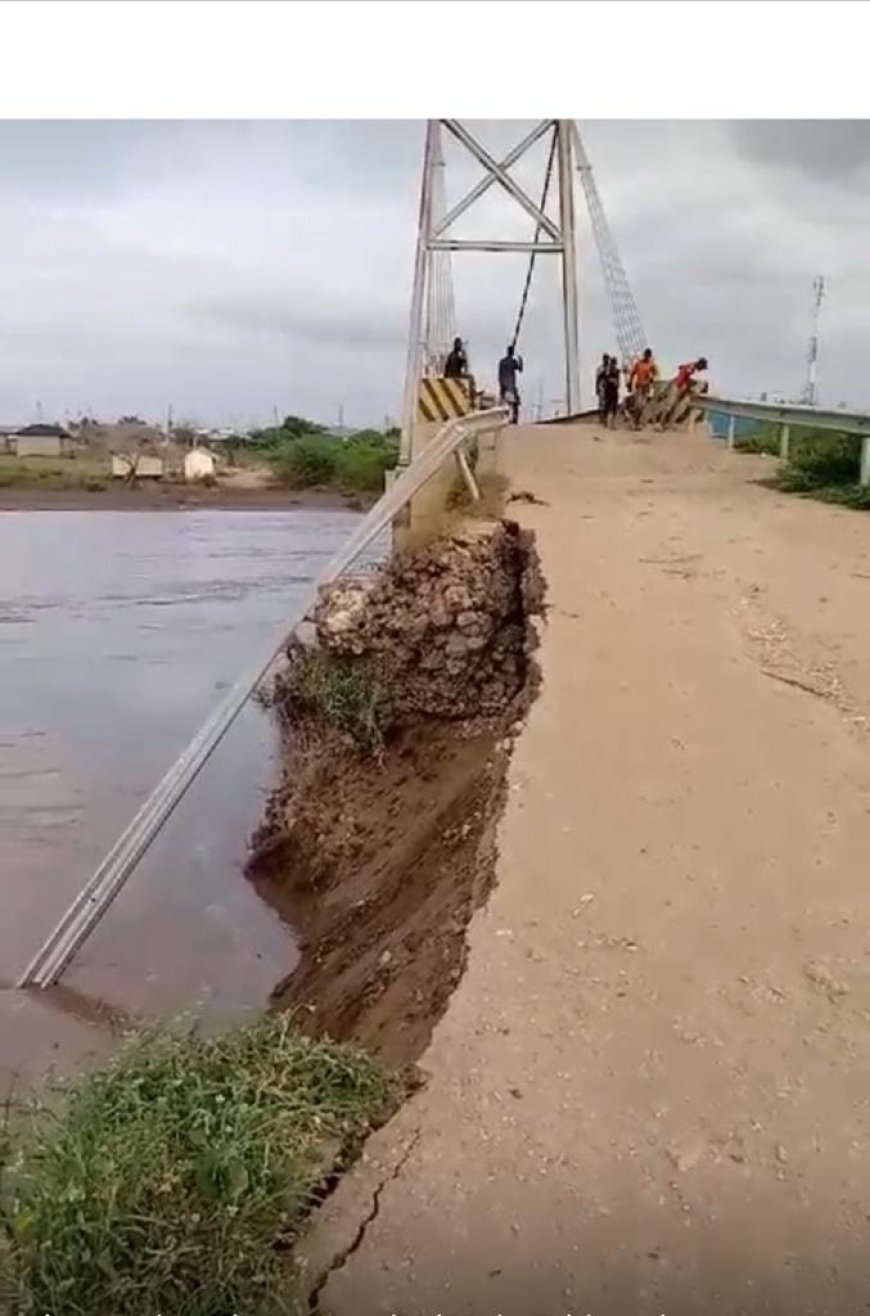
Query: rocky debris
[448, 625]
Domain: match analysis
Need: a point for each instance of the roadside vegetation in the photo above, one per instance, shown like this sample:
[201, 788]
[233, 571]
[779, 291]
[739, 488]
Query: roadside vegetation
[296, 454]
[177, 1178]
[81, 472]
[821, 464]
[303, 455]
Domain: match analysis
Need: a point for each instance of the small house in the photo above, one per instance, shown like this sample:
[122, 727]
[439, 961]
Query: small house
[138, 466]
[41, 441]
[199, 464]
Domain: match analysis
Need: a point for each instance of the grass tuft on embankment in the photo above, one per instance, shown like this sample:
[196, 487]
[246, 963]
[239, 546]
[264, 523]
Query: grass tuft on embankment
[176, 1179]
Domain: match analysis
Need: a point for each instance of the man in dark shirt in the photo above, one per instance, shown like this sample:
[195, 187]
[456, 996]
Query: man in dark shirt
[508, 367]
[456, 365]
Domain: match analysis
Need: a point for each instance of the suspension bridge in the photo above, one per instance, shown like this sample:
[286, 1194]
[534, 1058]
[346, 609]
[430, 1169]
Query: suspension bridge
[647, 1093]
[440, 413]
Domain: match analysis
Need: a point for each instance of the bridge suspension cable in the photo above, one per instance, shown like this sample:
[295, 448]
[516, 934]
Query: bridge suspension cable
[538, 228]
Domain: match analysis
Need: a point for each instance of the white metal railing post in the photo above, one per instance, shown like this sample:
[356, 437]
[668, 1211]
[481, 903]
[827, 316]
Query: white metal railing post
[98, 893]
[864, 476]
[784, 435]
[732, 421]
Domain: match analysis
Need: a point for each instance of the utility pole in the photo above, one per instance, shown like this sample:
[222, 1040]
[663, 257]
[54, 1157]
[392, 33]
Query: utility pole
[810, 396]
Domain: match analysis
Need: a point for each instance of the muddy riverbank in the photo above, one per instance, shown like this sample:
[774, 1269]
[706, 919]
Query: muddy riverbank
[397, 726]
[175, 497]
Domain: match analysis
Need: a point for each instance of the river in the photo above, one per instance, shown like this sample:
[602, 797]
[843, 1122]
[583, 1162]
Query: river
[119, 632]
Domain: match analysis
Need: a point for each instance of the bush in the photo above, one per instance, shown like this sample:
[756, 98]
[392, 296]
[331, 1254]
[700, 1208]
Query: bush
[356, 465]
[363, 461]
[305, 462]
[819, 459]
[175, 1179]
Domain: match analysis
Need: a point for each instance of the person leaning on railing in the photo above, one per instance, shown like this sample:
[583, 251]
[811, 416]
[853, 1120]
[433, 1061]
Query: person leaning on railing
[456, 367]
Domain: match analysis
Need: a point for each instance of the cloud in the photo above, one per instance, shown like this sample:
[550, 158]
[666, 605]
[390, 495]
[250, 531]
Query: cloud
[822, 150]
[230, 267]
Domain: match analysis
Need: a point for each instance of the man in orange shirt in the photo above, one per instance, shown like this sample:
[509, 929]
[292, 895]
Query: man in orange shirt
[641, 378]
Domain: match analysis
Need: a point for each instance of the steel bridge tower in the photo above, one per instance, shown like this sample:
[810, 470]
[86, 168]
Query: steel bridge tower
[432, 304]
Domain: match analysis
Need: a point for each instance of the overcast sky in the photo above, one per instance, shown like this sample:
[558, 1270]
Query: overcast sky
[227, 268]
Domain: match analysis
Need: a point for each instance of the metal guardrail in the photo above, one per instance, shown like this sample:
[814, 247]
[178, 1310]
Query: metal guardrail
[790, 415]
[92, 902]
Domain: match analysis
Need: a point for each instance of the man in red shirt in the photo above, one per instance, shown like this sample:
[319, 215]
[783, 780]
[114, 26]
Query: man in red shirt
[686, 374]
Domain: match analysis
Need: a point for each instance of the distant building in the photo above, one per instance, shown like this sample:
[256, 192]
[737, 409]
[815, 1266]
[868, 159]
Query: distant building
[41, 441]
[141, 466]
[199, 464]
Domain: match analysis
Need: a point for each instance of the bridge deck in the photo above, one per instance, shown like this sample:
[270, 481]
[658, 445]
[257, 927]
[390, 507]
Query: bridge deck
[650, 1091]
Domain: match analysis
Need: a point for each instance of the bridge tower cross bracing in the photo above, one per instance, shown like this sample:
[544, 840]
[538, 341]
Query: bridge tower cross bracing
[432, 320]
[434, 236]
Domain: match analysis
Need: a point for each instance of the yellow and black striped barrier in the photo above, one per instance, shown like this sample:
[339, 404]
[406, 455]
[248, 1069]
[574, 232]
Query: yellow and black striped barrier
[440, 399]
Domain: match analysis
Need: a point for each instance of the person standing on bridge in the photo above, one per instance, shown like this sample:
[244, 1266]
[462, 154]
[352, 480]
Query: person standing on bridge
[600, 377]
[641, 379]
[610, 391]
[508, 367]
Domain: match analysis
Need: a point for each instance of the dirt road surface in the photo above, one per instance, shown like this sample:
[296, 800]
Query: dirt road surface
[650, 1091]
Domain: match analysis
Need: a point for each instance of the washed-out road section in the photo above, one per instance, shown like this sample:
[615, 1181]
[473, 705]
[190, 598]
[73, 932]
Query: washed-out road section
[649, 1093]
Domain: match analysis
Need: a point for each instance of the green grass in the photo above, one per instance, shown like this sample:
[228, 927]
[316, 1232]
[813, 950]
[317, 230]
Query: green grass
[347, 694]
[821, 464]
[355, 465]
[81, 472]
[765, 440]
[176, 1179]
[824, 465]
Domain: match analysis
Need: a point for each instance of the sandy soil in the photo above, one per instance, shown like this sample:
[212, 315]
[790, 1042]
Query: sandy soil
[649, 1093]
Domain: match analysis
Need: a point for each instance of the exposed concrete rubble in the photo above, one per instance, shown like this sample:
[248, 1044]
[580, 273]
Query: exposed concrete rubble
[449, 623]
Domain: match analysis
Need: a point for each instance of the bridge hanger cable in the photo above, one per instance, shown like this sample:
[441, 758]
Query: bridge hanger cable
[538, 227]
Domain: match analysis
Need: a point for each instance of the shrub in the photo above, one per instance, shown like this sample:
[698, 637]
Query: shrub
[175, 1179]
[305, 462]
[819, 459]
[356, 465]
[363, 461]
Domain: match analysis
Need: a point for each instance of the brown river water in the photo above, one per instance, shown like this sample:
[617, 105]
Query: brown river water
[119, 632]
